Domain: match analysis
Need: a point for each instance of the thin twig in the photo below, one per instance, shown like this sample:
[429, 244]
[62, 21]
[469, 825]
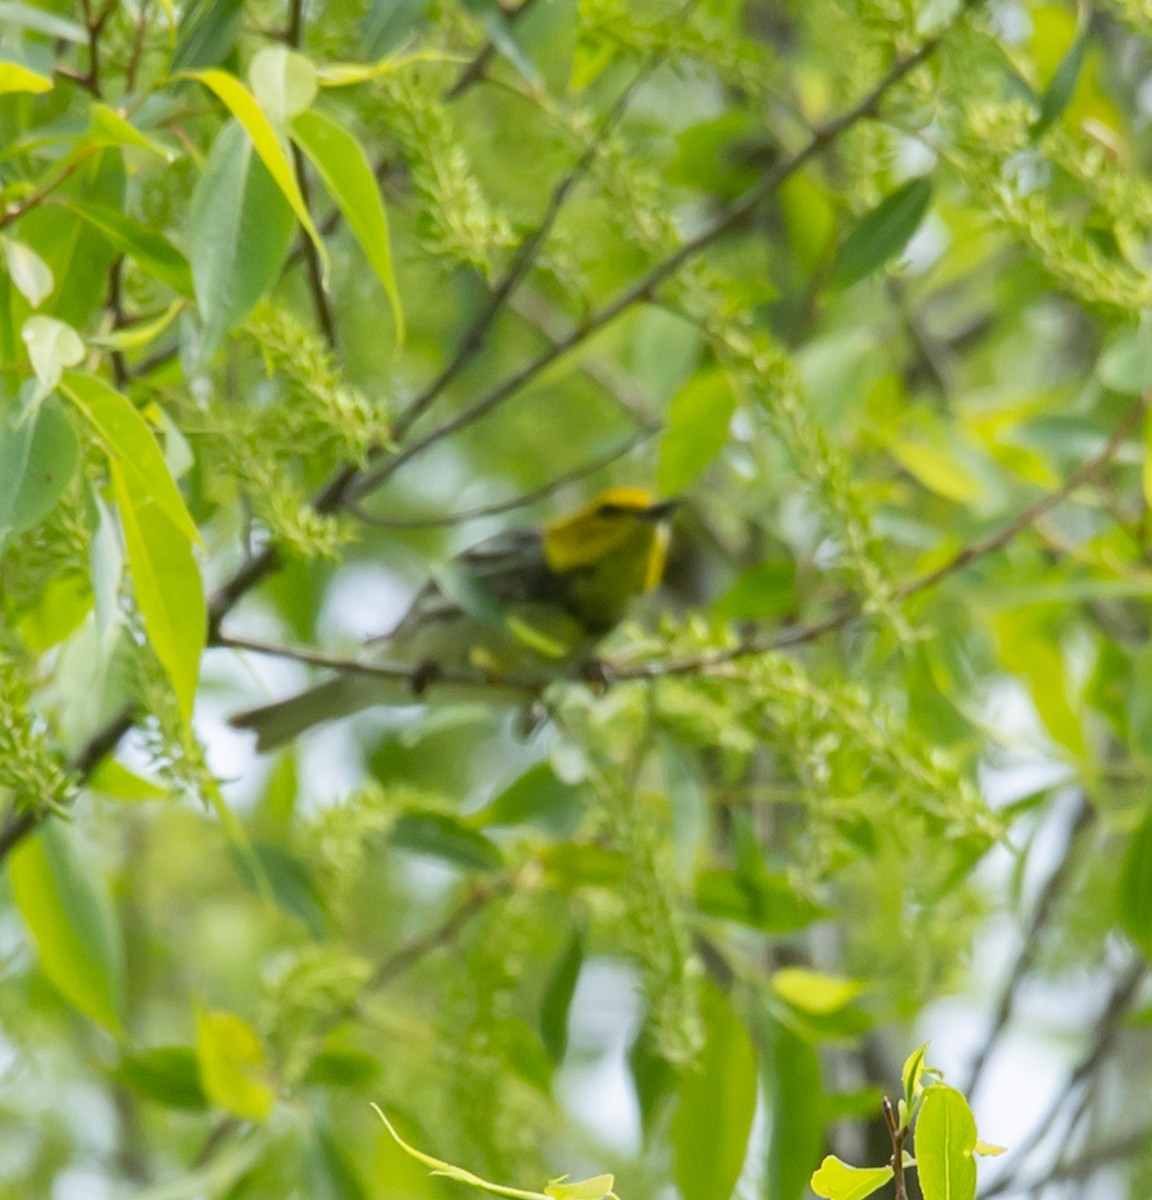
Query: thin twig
[491, 510]
[1030, 943]
[898, 1134]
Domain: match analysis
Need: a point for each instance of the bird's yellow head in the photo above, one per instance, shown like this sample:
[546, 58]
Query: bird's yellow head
[625, 529]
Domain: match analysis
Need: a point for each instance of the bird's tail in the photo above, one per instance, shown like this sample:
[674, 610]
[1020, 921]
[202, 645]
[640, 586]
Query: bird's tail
[275, 724]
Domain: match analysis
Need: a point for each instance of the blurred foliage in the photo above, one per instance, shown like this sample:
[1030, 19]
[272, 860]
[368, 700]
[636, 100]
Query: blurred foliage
[291, 296]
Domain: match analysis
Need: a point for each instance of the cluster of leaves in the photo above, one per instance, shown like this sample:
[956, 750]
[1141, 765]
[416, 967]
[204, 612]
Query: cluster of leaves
[286, 292]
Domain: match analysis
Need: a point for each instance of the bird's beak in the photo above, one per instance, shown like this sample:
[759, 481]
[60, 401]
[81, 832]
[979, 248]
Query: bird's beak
[663, 510]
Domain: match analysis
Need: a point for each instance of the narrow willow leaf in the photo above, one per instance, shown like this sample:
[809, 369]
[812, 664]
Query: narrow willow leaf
[242, 105]
[153, 253]
[30, 273]
[167, 585]
[335, 75]
[882, 233]
[912, 1073]
[343, 165]
[232, 1067]
[557, 999]
[597, 1188]
[130, 444]
[168, 1075]
[71, 921]
[18, 75]
[1136, 888]
[695, 430]
[240, 228]
[38, 453]
[206, 32]
[15, 15]
[945, 1143]
[717, 1100]
[135, 337]
[108, 128]
[52, 346]
[836, 1180]
[112, 778]
[1062, 87]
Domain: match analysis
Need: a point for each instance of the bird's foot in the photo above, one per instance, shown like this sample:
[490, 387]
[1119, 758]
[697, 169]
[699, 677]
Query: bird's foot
[425, 674]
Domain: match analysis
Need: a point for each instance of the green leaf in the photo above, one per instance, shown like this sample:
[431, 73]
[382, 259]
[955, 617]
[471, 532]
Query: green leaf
[537, 794]
[717, 1101]
[38, 453]
[226, 1168]
[71, 921]
[596, 1188]
[557, 998]
[15, 15]
[108, 128]
[1062, 86]
[112, 778]
[290, 879]
[17, 74]
[882, 233]
[836, 1180]
[796, 1112]
[240, 228]
[52, 346]
[206, 34]
[1136, 888]
[232, 1068]
[135, 337]
[283, 82]
[130, 444]
[152, 252]
[328, 1174]
[767, 589]
[242, 105]
[342, 1068]
[913, 1071]
[763, 901]
[814, 992]
[945, 1143]
[1146, 461]
[167, 586]
[30, 273]
[343, 165]
[939, 469]
[445, 836]
[167, 1075]
[1125, 366]
[695, 430]
[335, 75]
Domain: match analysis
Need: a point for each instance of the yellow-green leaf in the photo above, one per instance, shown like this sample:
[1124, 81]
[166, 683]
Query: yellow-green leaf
[814, 992]
[30, 273]
[335, 75]
[836, 1180]
[108, 128]
[232, 1066]
[597, 1188]
[913, 1070]
[17, 76]
[135, 337]
[167, 584]
[112, 778]
[945, 1143]
[938, 469]
[284, 83]
[242, 105]
[129, 442]
[72, 923]
[343, 165]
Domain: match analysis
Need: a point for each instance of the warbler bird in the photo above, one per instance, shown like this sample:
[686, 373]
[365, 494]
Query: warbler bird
[533, 600]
